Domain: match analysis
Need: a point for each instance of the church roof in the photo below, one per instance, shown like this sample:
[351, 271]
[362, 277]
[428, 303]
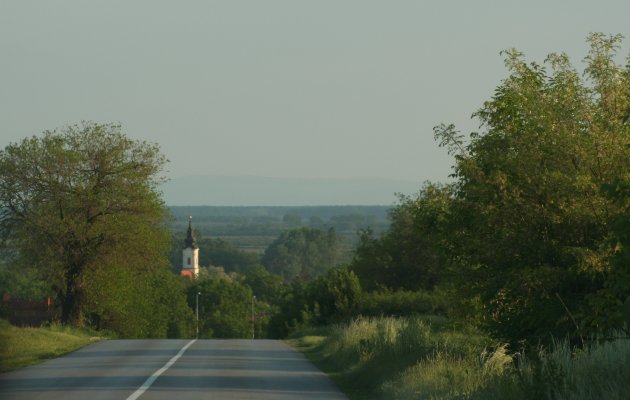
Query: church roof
[190, 241]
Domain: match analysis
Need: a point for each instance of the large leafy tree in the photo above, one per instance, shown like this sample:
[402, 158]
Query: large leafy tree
[77, 201]
[303, 254]
[225, 308]
[531, 219]
[265, 285]
[136, 303]
[410, 254]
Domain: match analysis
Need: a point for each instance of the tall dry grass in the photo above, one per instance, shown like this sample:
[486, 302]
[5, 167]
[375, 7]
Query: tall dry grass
[430, 358]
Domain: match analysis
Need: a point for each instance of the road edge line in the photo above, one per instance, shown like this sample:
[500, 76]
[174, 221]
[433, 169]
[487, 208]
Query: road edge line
[147, 384]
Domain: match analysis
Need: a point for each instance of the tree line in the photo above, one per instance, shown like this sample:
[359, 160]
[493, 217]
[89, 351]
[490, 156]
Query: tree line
[255, 228]
[528, 240]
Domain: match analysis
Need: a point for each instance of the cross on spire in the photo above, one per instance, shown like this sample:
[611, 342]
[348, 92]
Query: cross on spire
[190, 241]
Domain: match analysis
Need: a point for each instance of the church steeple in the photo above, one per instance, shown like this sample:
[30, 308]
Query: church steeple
[190, 241]
[190, 253]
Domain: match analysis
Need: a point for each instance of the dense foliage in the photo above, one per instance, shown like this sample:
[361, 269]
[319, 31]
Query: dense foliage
[533, 221]
[303, 254]
[225, 308]
[534, 225]
[81, 207]
[407, 256]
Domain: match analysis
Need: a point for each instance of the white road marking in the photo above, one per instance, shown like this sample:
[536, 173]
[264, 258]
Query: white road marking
[147, 384]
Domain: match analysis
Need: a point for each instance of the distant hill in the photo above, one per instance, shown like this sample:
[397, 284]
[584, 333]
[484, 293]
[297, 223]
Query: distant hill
[260, 191]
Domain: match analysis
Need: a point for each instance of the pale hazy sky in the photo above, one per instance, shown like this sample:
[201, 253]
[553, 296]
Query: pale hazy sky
[312, 89]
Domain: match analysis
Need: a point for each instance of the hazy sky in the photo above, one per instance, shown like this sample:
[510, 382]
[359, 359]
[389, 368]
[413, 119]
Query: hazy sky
[312, 89]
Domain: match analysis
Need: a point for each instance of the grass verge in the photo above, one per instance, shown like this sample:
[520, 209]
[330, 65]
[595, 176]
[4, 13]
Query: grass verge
[431, 358]
[20, 347]
[365, 356]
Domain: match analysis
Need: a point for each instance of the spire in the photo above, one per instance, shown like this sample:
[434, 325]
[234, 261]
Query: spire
[190, 238]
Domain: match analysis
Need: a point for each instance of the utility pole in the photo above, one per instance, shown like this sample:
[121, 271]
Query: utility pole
[197, 311]
[253, 298]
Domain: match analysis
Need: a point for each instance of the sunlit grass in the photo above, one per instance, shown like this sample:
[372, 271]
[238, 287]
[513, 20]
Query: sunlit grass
[600, 371]
[20, 347]
[429, 358]
[368, 352]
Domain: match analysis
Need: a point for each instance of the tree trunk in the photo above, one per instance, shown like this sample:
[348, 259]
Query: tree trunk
[71, 312]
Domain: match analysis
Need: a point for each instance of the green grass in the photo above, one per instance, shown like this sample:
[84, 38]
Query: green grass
[431, 358]
[20, 347]
[365, 355]
[600, 371]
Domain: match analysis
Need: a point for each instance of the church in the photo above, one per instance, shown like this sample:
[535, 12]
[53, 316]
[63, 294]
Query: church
[190, 254]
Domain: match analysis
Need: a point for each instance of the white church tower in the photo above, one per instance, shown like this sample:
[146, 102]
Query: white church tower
[190, 254]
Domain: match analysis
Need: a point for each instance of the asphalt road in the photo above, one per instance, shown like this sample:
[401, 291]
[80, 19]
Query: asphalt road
[151, 369]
